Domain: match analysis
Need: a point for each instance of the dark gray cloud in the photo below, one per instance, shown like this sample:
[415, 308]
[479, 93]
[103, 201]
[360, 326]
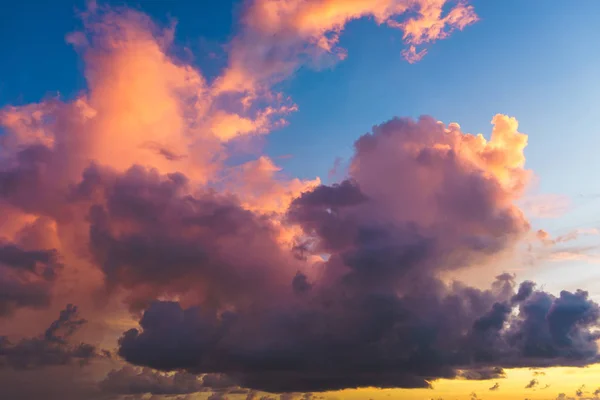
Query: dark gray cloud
[376, 312]
[532, 384]
[131, 381]
[26, 277]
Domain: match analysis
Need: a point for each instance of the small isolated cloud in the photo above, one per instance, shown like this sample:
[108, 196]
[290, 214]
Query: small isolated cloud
[539, 373]
[532, 384]
[495, 387]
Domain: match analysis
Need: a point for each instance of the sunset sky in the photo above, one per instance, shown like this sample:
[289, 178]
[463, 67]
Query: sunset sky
[299, 199]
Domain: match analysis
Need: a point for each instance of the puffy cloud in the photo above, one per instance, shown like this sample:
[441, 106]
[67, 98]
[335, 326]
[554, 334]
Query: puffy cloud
[532, 384]
[152, 236]
[258, 184]
[376, 313]
[248, 278]
[142, 107]
[478, 374]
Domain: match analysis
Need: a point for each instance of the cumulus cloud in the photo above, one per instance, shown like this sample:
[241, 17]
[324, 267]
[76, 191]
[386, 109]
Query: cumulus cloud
[379, 293]
[580, 394]
[248, 278]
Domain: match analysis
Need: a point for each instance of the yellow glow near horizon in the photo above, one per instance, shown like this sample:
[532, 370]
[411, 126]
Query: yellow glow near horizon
[565, 380]
[560, 380]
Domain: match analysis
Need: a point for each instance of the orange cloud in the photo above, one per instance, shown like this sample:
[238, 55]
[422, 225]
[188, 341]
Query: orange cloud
[262, 190]
[278, 35]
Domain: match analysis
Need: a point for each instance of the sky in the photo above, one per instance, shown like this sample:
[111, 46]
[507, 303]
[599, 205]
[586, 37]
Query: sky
[294, 199]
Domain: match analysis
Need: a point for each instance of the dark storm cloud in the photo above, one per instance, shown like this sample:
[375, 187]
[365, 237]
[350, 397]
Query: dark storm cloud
[375, 313]
[482, 374]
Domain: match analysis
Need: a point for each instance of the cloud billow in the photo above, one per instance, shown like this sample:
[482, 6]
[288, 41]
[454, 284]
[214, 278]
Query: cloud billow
[125, 194]
[377, 313]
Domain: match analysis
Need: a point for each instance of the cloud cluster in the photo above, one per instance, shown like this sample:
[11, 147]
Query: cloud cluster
[50, 349]
[377, 313]
[126, 194]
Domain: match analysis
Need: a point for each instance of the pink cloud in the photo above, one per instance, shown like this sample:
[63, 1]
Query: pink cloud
[277, 36]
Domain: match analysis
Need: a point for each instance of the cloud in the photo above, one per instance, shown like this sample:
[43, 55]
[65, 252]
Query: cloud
[387, 239]
[580, 393]
[560, 248]
[131, 381]
[50, 349]
[128, 196]
[141, 222]
[532, 384]
[495, 387]
[535, 372]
